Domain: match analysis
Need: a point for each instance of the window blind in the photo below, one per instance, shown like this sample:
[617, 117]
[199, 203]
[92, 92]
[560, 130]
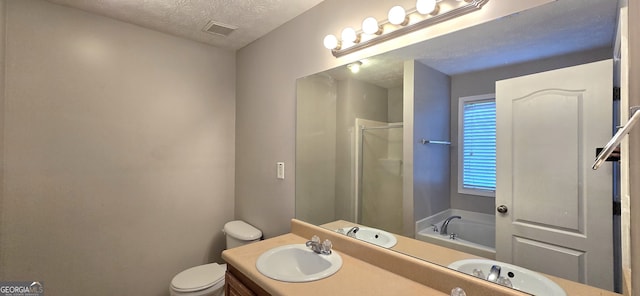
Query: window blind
[479, 145]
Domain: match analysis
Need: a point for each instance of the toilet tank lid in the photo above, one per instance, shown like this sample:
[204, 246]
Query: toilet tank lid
[242, 230]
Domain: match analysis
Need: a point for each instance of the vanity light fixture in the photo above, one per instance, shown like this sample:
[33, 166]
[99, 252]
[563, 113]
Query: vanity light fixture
[399, 22]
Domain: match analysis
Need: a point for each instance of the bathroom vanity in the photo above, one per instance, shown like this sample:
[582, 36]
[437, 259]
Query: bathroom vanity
[366, 270]
[237, 284]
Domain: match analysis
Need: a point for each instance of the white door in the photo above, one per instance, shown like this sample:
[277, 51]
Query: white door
[558, 216]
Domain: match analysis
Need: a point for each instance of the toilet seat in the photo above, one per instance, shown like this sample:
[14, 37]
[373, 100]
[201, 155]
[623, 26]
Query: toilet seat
[198, 278]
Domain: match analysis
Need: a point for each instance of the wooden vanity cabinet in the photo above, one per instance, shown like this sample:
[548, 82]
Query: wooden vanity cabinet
[237, 284]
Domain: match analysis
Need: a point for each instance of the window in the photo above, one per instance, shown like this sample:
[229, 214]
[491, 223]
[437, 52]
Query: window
[477, 145]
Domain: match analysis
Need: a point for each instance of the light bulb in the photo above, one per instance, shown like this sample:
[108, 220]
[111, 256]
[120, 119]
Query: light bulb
[354, 67]
[370, 26]
[331, 42]
[350, 35]
[398, 16]
[426, 6]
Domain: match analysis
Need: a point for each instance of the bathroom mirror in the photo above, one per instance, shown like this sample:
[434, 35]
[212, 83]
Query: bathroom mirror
[380, 149]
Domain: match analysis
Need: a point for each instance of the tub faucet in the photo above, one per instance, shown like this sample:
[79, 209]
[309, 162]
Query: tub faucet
[352, 231]
[445, 224]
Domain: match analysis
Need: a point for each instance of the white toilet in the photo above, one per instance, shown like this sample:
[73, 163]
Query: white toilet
[208, 279]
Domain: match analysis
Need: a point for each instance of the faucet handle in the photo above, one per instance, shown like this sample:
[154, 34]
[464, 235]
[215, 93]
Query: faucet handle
[457, 291]
[315, 239]
[478, 273]
[505, 282]
[326, 246]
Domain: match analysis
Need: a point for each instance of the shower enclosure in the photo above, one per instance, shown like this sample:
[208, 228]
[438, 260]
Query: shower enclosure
[378, 174]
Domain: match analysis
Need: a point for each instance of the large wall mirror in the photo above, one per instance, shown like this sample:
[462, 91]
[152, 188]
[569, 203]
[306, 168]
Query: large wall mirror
[480, 140]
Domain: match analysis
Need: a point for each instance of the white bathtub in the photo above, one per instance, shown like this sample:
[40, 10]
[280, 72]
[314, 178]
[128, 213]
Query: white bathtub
[475, 233]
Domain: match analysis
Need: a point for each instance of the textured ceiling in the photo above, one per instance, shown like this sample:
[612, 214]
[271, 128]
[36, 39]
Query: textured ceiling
[187, 18]
[557, 28]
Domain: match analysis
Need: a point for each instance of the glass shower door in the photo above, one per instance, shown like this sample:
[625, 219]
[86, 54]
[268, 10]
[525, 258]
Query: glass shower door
[380, 197]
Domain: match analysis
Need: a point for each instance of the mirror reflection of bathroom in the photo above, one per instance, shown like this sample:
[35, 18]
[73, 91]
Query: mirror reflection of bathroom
[350, 132]
[496, 146]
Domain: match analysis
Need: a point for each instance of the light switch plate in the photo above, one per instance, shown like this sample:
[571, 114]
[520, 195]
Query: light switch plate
[280, 170]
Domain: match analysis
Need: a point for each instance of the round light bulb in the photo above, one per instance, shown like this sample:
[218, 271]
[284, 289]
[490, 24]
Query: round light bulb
[331, 42]
[370, 26]
[354, 67]
[426, 6]
[349, 35]
[397, 15]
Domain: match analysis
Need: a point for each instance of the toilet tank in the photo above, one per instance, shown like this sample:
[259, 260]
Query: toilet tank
[240, 233]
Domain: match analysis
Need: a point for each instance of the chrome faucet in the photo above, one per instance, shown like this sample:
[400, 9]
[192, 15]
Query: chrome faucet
[445, 224]
[352, 231]
[319, 248]
[494, 273]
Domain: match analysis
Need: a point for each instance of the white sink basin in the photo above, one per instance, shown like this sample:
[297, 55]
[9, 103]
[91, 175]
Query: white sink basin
[297, 263]
[521, 278]
[374, 236]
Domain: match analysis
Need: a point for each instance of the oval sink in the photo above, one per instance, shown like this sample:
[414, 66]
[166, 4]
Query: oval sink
[522, 279]
[374, 236]
[297, 263]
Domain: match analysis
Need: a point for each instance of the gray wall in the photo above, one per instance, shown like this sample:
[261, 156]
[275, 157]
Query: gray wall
[316, 148]
[118, 152]
[431, 122]
[395, 104]
[483, 82]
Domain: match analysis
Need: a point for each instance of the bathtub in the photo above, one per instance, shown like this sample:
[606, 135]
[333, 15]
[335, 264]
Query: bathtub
[475, 233]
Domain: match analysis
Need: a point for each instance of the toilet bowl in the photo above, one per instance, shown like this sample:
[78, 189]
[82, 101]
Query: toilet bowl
[208, 279]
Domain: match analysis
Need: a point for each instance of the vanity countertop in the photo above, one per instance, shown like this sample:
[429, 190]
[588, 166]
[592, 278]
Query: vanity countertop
[366, 269]
[356, 277]
[444, 256]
